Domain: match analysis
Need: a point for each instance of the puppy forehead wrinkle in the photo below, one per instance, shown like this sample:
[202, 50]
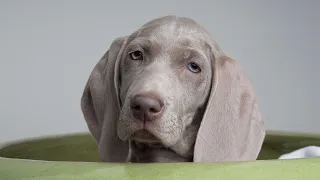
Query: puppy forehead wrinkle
[167, 28]
[188, 26]
[184, 45]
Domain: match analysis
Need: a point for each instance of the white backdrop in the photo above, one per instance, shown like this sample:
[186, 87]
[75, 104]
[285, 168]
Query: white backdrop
[48, 49]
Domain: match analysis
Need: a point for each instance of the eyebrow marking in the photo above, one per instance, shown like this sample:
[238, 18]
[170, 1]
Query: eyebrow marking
[188, 52]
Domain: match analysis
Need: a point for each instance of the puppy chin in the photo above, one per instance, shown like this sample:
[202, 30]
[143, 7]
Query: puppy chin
[144, 136]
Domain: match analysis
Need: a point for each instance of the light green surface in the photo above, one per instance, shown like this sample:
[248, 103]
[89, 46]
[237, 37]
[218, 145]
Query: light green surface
[81, 147]
[304, 169]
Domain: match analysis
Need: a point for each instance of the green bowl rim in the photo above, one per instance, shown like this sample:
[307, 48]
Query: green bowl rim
[38, 138]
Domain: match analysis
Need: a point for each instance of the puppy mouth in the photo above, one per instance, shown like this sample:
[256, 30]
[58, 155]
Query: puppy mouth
[143, 139]
[144, 136]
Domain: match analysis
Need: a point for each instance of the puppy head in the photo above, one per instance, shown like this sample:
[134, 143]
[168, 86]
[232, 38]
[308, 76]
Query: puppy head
[165, 78]
[169, 83]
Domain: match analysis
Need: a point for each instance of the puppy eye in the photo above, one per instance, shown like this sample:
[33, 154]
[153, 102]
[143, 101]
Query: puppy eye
[136, 55]
[193, 67]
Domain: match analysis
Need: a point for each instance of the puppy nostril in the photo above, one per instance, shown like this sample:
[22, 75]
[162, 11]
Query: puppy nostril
[153, 110]
[137, 107]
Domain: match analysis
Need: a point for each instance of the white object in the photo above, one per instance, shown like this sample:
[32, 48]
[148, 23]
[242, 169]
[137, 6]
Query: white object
[306, 152]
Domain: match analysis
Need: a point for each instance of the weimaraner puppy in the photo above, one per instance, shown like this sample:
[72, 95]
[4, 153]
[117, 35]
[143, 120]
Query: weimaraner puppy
[168, 93]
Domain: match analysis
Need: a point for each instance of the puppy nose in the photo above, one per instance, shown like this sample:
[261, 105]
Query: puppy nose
[146, 107]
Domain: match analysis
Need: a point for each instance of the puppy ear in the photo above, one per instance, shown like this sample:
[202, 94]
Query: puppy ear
[100, 104]
[231, 128]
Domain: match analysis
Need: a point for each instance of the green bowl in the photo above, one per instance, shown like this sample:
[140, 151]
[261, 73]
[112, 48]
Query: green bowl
[75, 157]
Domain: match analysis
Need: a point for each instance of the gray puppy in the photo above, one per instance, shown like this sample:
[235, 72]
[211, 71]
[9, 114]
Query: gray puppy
[167, 93]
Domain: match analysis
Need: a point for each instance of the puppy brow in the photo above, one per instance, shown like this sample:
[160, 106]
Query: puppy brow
[187, 53]
[143, 43]
[185, 43]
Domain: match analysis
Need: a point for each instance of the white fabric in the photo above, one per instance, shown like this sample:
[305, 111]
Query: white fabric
[306, 152]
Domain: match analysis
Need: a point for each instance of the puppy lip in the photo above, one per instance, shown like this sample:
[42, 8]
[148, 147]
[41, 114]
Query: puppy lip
[144, 136]
[143, 139]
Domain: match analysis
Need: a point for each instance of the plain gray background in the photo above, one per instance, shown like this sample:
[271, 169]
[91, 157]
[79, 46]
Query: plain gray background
[48, 49]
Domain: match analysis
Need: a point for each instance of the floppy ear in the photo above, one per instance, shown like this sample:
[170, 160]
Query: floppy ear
[231, 128]
[100, 104]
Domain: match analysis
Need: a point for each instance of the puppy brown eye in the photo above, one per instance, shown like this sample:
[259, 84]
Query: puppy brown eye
[136, 55]
[193, 67]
